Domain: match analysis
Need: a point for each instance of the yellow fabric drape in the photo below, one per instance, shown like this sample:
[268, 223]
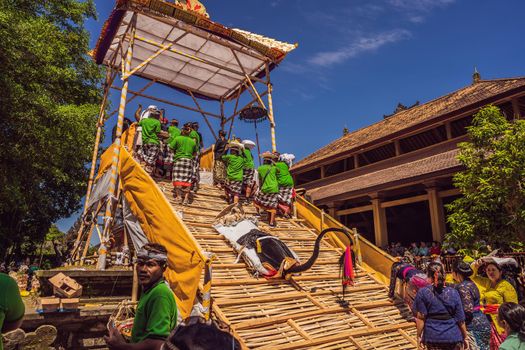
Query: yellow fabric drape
[161, 225]
[127, 139]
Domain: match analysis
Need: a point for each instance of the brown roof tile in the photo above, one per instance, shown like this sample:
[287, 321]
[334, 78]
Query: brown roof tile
[405, 172]
[461, 98]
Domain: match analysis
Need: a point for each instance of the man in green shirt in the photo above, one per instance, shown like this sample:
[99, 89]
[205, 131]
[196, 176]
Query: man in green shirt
[183, 173]
[11, 305]
[173, 131]
[286, 185]
[234, 171]
[197, 136]
[267, 197]
[249, 168]
[156, 313]
[151, 129]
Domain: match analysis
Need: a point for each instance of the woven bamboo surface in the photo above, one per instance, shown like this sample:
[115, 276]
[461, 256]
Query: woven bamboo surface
[304, 312]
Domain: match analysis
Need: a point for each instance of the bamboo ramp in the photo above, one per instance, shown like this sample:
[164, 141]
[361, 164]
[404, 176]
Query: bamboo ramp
[304, 312]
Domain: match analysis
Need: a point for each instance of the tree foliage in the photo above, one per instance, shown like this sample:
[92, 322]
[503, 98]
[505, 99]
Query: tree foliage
[48, 111]
[492, 208]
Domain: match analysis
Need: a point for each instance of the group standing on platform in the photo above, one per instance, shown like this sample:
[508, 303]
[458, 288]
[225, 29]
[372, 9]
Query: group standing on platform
[167, 151]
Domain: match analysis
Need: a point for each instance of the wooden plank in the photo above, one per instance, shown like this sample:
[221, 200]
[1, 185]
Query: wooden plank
[408, 337]
[298, 329]
[354, 210]
[403, 201]
[341, 336]
[449, 193]
[329, 310]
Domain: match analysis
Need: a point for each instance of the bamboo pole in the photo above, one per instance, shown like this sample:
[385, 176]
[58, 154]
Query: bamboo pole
[203, 115]
[135, 286]
[108, 217]
[110, 76]
[271, 116]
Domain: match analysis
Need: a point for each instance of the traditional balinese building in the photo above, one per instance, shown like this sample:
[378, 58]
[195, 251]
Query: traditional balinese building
[391, 180]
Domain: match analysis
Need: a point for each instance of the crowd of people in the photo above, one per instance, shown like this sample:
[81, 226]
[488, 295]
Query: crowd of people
[271, 190]
[477, 308]
[421, 249]
[167, 151]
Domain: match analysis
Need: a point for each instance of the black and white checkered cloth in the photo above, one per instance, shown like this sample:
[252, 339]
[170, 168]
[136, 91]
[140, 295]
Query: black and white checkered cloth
[266, 200]
[150, 153]
[248, 177]
[234, 187]
[183, 172]
[285, 195]
[168, 162]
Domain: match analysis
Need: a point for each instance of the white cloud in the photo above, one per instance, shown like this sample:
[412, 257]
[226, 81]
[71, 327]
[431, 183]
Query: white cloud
[358, 46]
[420, 5]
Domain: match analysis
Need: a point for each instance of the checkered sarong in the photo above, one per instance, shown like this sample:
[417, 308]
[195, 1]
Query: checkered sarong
[168, 162]
[266, 200]
[150, 153]
[196, 174]
[183, 172]
[285, 195]
[234, 188]
[248, 177]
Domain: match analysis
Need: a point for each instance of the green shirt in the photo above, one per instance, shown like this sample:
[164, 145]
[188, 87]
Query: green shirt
[248, 159]
[184, 147]
[195, 135]
[11, 305]
[156, 314]
[284, 178]
[512, 342]
[150, 129]
[268, 179]
[173, 131]
[235, 167]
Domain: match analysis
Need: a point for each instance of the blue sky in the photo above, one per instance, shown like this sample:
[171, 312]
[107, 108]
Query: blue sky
[358, 58]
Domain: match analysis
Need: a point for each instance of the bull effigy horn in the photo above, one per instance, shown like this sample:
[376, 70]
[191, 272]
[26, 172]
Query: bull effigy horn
[315, 254]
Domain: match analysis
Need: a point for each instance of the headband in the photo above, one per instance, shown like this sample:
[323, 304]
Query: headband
[144, 254]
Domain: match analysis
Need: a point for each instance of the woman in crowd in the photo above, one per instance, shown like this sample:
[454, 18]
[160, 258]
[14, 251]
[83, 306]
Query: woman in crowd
[494, 291]
[478, 326]
[511, 317]
[440, 319]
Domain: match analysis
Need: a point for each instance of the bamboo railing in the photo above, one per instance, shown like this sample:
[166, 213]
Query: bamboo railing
[371, 257]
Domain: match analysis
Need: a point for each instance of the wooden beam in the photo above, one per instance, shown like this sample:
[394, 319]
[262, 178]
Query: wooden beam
[298, 329]
[354, 210]
[437, 215]
[167, 102]
[404, 201]
[516, 108]
[448, 128]
[397, 146]
[449, 193]
[380, 223]
[356, 161]
[310, 344]
[305, 314]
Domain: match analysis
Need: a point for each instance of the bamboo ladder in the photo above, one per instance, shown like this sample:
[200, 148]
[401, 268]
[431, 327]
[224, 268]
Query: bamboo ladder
[302, 313]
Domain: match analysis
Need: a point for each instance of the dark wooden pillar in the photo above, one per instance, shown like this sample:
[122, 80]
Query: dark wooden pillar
[437, 214]
[380, 222]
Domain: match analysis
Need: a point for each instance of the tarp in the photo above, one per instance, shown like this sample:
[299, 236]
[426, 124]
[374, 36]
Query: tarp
[161, 225]
[132, 224]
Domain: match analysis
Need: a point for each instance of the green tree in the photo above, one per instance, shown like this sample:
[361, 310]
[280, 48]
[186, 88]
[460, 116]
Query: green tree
[48, 111]
[492, 207]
